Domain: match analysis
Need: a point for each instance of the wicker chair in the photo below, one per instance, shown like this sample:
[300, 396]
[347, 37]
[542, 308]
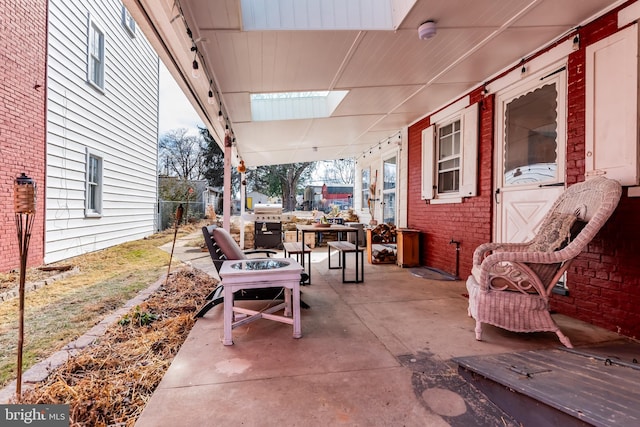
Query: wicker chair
[511, 283]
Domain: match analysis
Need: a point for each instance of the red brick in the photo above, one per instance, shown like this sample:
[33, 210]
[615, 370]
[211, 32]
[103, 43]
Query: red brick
[23, 47]
[604, 281]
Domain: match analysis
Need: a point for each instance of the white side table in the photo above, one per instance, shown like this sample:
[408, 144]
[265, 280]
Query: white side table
[255, 273]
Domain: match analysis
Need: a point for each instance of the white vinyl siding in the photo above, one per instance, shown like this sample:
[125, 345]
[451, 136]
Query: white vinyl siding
[121, 125]
[449, 157]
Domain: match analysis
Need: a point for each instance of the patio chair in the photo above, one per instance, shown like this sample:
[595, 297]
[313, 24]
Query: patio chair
[223, 247]
[511, 283]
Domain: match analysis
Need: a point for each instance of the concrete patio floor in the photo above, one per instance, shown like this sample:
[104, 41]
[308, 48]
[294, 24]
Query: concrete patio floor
[372, 354]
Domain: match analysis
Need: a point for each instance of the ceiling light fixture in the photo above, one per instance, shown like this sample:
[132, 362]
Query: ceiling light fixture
[199, 65]
[427, 29]
[220, 115]
[195, 73]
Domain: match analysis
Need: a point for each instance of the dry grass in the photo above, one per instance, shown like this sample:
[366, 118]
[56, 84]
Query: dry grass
[59, 313]
[110, 382]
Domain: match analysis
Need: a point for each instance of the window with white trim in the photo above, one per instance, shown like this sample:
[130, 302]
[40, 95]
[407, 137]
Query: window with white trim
[95, 56]
[127, 22]
[449, 157]
[366, 181]
[93, 197]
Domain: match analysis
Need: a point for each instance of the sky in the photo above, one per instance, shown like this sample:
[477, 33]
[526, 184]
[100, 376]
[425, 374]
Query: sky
[175, 111]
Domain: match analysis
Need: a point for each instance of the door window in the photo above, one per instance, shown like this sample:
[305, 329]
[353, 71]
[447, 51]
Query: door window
[531, 135]
[389, 191]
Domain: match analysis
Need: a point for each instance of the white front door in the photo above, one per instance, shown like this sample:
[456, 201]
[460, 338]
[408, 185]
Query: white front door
[530, 153]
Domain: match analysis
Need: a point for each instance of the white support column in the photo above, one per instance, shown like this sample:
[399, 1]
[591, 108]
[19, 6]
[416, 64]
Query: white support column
[226, 197]
[243, 196]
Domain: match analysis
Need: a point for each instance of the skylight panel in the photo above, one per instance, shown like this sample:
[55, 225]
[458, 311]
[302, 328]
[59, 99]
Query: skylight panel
[261, 15]
[295, 105]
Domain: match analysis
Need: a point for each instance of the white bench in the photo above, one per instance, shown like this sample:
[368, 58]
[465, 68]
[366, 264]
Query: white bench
[343, 249]
[299, 250]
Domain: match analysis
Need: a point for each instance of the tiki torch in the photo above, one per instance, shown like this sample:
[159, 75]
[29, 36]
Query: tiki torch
[179, 212]
[24, 203]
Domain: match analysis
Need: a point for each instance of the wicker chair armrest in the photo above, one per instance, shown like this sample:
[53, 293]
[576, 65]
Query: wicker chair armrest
[487, 249]
[526, 257]
[504, 275]
[519, 268]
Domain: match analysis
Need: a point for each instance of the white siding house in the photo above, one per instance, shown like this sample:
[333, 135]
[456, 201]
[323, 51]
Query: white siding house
[102, 129]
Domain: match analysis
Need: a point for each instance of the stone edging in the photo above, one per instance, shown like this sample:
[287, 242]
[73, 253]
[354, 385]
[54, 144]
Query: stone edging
[41, 370]
[32, 286]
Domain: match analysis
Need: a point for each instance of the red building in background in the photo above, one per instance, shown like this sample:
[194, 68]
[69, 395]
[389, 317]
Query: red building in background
[339, 195]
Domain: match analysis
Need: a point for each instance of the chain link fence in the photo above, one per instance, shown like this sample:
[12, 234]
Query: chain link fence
[167, 212]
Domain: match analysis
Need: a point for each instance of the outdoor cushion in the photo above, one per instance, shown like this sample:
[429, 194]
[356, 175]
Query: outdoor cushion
[227, 245]
[553, 233]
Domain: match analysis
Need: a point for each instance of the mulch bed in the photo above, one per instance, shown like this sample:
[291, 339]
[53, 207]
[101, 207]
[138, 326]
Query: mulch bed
[109, 382]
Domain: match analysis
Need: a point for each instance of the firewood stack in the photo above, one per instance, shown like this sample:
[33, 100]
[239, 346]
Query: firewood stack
[383, 255]
[384, 233]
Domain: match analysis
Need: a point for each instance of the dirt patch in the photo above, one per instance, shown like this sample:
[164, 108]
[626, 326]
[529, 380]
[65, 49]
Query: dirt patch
[110, 381]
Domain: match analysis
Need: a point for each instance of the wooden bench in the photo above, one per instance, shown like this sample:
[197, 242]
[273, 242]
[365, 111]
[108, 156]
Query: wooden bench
[299, 250]
[344, 248]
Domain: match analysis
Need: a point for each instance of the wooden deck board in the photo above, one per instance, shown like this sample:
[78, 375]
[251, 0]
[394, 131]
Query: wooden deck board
[586, 388]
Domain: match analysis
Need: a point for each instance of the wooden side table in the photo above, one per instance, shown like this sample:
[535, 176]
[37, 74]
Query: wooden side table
[408, 241]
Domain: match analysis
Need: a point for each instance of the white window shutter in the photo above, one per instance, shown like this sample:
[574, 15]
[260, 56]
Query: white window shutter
[611, 134]
[428, 161]
[469, 168]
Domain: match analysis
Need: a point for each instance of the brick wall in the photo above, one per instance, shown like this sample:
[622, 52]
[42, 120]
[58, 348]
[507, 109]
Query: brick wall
[23, 50]
[604, 281]
[468, 222]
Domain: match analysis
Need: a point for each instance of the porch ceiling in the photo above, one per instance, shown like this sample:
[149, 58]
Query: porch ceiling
[393, 77]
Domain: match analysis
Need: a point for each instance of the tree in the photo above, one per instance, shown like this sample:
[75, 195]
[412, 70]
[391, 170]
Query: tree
[200, 157]
[213, 160]
[340, 171]
[171, 188]
[283, 180]
[181, 154]
[213, 163]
